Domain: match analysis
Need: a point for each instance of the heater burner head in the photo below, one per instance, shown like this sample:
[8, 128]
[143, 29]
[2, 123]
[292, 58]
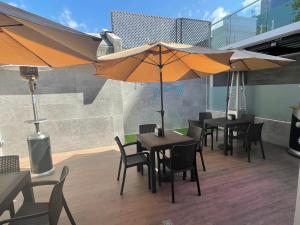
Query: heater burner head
[29, 73]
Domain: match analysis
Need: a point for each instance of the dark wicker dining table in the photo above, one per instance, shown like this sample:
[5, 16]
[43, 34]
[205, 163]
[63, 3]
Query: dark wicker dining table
[226, 124]
[11, 184]
[154, 144]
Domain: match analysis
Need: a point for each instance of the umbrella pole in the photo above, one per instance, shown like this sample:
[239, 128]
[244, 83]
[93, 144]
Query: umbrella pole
[162, 112]
[227, 95]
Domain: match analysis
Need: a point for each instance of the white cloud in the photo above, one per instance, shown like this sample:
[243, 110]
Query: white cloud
[21, 5]
[247, 2]
[206, 15]
[252, 10]
[218, 14]
[66, 19]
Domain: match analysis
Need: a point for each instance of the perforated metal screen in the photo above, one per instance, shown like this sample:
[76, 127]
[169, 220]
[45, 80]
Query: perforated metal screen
[138, 29]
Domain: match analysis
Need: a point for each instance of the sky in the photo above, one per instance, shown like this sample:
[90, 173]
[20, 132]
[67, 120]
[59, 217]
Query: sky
[94, 15]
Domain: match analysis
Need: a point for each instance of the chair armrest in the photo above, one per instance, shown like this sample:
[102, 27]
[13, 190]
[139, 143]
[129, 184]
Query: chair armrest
[24, 217]
[43, 183]
[129, 144]
[143, 153]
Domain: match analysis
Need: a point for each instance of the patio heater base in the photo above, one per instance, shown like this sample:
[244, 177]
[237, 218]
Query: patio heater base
[40, 154]
[294, 144]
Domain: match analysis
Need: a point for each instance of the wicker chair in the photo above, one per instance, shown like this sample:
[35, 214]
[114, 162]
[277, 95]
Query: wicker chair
[253, 134]
[182, 159]
[10, 164]
[138, 159]
[208, 115]
[205, 133]
[196, 133]
[147, 128]
[43, 212]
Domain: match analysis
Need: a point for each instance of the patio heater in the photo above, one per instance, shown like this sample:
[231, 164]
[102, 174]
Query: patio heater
[294, 143]
[39, 142]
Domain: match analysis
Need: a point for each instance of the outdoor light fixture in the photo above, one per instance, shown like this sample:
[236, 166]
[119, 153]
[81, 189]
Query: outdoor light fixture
[39, 142]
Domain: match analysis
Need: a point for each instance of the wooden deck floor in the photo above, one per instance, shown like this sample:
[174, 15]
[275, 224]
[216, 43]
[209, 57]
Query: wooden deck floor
[234, 192]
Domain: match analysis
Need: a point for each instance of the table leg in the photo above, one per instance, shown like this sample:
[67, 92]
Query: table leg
[28, 191]
[153, 172]
[225, 140]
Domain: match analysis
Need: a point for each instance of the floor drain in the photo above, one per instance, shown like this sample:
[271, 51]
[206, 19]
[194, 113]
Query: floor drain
[167, 222]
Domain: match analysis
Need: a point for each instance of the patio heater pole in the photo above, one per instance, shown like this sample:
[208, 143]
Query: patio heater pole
[32, 87]
[227, 94]
[162, 112]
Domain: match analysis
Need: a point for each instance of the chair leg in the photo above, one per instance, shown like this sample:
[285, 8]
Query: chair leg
[212, 140]
[172, 187]
[142, 170]
[217, 134]
[149, 177]
[123, 181]
[248, 151]
[205, 140]
[164, 165]
[262, 149]
[120, 166]
[202, 160]
[184, 175]
[197, 180]
[68, 212]
[158, 168]
[12, 210]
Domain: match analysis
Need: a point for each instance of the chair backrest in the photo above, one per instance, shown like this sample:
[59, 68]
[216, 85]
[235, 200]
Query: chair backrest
[183, 157]
[147, 128]
[122, 150]
[195, 132]
[205, 115]
[9, 164]
[254, 131]
[249, 117]
[56, 198]
[196, 123]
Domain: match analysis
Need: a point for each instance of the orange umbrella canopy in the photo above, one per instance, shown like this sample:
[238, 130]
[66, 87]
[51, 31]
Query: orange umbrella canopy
[28, 39]
[243, 60]
[176, 61]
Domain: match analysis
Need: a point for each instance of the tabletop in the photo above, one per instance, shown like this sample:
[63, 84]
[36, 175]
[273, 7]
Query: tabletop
[223, 122]
[152, 142]
[10, 185]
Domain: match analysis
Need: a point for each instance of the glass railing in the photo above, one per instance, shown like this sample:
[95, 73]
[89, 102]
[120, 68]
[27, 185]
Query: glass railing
[258, 17]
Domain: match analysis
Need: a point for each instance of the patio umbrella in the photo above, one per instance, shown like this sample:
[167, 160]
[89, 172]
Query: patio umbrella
[162, 62]
[244, 61]
[28, 39]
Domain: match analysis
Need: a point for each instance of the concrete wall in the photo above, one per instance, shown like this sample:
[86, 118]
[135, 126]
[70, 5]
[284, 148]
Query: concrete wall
[183, 100]
[83, 110]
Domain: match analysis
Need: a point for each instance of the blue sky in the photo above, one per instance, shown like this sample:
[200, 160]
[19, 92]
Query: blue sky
[93, 15]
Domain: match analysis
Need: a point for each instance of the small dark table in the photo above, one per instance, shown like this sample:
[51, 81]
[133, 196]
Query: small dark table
[11, 184]
[226, 124]
[154, 144]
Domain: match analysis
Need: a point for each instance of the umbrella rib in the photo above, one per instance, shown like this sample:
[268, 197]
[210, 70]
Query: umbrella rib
[135, 68]
[246, 65]
[11, 25]
[29, 50]
[78, 54]
[179, 59]
[143, 60]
